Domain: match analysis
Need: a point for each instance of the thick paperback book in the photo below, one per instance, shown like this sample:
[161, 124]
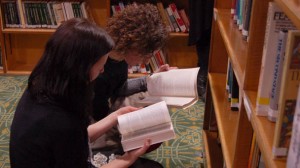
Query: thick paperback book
[152, 122]
[178, 88]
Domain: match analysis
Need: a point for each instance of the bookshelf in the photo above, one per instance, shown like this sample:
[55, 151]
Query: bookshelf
[235, 129]
[22, 47]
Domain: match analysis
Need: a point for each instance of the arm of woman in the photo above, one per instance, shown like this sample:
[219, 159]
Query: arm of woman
[99, 128]
[132, 86]
[136, 85]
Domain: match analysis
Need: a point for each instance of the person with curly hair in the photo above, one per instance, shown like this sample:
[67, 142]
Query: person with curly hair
[138, 31]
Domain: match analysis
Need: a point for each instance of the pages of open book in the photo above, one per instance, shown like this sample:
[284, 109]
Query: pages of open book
[152, 115]
[171, 101]
[175, 83]
[176, 87]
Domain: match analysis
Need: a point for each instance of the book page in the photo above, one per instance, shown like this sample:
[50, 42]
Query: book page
[155, 114]
[177, 82]
[147, 132]
[171, 101]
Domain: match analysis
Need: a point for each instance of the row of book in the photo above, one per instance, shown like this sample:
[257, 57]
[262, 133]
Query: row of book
[255, 157]
[155, 62]
[279, 77]
[232, 88]
[176, 20]
[40, 14]
[241, 14]
[277, 98]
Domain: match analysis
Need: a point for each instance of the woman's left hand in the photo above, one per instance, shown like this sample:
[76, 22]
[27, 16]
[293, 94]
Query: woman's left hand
[165, 67]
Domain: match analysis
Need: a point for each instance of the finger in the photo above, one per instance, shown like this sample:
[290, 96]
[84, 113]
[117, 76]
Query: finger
[141, 150]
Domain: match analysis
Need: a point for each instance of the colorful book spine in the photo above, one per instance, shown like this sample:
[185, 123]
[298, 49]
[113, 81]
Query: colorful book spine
[173, 20]
[293, 158]
[177, 17]
[247, 17]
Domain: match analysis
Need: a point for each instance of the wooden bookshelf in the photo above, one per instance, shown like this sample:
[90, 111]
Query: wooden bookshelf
[27, 31]
[264, 130]
[24, 46]
[227, 43]
[236, 47]
[226, 119]
[233, 128]
[213, 152]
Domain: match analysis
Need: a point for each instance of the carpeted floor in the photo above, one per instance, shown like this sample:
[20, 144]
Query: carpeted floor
[186, 151]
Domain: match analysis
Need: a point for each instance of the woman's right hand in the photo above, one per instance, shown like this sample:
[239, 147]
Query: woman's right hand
[125, 110]
[122, 111]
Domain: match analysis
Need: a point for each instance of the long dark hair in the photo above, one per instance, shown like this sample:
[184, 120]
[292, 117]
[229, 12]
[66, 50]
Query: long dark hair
[62, 74]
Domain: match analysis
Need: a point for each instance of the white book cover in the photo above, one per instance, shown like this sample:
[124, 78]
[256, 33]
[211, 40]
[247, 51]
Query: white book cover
[277, 74]
[276, 21]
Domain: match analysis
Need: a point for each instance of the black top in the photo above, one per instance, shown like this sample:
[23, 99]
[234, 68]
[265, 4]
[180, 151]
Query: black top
[200, 14]
[113, 83]
[45, 135]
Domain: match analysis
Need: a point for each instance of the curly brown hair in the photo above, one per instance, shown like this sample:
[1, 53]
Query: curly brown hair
[138, 27]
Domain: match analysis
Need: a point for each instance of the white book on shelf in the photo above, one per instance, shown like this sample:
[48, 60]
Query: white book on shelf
[276, 21]
[276, 77]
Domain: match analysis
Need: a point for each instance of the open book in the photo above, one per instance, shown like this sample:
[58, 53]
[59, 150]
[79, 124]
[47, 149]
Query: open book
[152, 122]
[176, 87]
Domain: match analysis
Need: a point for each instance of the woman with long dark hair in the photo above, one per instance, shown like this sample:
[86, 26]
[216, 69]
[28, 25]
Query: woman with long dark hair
[51, 123]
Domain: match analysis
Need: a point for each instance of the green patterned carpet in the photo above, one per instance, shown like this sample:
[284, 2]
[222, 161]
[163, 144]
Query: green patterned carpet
[183, 152]
[186, 150]
[11, 88]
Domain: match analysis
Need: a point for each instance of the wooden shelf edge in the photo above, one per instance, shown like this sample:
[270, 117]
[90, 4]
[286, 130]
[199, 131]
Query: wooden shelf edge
[228, 32]
[226, 119]
[213, 153]
[178, 34]
[264, 130]
[27, 31]
[136, 75]
[11, 72]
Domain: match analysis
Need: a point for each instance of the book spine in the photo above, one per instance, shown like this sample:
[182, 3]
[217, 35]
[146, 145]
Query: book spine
[294, 152]
[232, 10]
[234, 101]
[240, 14]
[185, 18]
[277, 73]
[172, 18]
[288, 95]
[276, 21]
[247, 16]
[178, 19]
